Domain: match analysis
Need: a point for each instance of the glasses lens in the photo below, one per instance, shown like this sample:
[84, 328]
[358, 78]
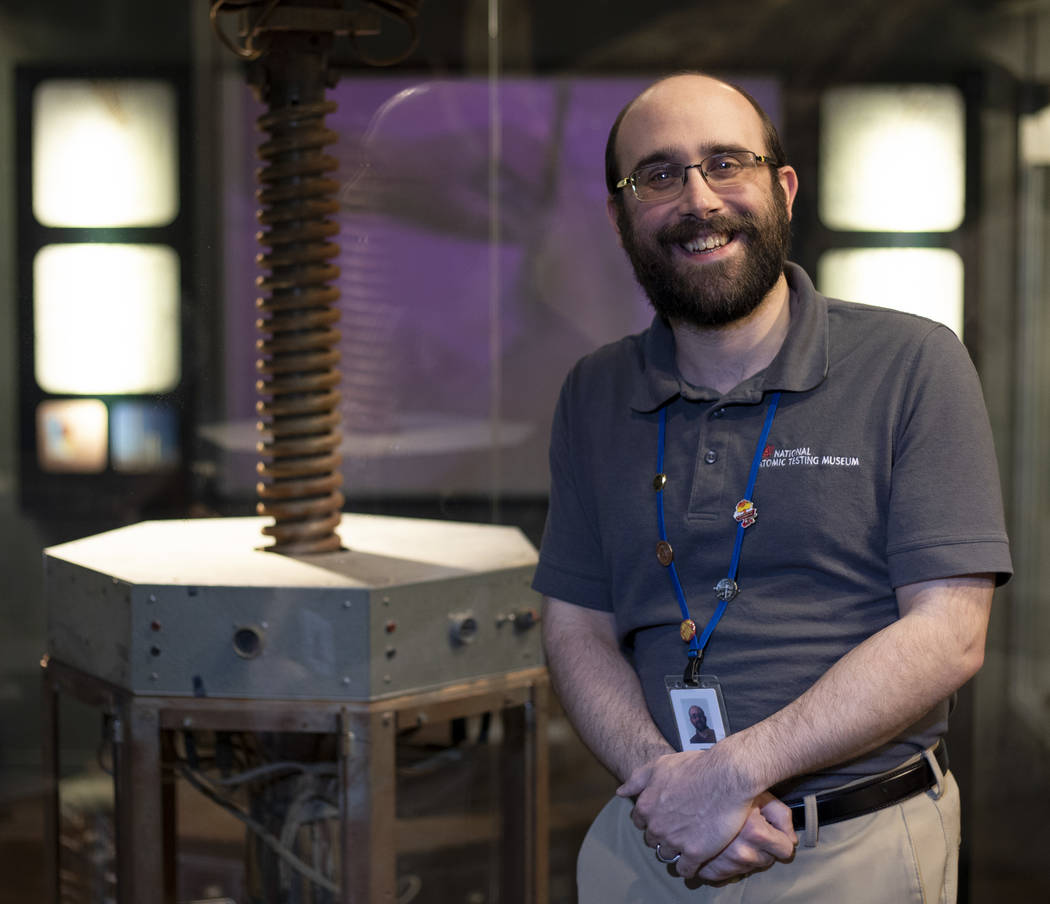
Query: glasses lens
[727, 168]
[660, 180]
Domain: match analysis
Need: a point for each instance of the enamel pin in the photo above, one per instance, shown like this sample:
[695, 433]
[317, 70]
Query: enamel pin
[746, 513]
[727, 589]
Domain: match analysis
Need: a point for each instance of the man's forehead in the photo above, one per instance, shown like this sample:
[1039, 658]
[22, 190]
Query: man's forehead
[688, 114]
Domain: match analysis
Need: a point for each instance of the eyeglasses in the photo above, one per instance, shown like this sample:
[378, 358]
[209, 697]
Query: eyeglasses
[666, 181]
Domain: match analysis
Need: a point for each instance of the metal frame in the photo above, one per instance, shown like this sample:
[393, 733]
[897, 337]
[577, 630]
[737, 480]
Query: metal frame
[145, 791]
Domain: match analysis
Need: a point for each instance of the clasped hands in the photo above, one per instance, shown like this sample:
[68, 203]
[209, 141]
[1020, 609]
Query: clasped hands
[688, 805]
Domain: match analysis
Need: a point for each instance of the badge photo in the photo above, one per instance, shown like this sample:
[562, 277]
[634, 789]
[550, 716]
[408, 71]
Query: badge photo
[699, 717]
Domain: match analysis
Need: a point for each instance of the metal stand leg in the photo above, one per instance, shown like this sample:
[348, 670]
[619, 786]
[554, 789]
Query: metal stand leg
[369, 862]
[50, 763]
[523, 804]
[140, 813]
[537, 797]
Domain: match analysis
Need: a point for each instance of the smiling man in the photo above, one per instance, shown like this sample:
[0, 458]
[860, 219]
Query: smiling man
[787, 500]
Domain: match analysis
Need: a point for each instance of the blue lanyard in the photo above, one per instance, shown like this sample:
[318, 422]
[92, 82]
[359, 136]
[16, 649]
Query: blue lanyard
[727, 587]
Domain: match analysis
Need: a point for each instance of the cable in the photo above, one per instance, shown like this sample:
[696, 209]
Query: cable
[304, 869]
[270, 768]
[248, 51]
[405, 11]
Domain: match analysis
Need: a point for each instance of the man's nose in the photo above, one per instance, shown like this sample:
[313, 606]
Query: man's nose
[697, 196]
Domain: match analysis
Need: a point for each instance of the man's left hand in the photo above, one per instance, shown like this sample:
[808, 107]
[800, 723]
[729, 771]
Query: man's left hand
[685, 802]
[767, 836]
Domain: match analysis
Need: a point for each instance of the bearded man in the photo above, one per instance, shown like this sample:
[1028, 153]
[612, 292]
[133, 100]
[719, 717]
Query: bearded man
[786, 500]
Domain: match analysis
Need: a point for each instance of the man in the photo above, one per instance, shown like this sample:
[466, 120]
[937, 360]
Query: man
[854, 443]
[703, 734]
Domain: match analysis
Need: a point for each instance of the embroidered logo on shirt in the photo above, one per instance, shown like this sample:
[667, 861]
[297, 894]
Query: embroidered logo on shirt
[804, 457]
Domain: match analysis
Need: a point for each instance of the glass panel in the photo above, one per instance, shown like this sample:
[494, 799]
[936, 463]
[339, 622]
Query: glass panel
[71, 435]
[87, 842]
[924, 281]
[106, 318]
[105, 153]
[892, 158]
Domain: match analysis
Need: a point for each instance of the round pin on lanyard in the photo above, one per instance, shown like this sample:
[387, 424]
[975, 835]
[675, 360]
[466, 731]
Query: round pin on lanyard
[696, 697]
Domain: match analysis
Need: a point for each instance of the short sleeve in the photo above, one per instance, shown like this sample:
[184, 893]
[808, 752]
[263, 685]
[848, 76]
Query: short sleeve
[945, 516]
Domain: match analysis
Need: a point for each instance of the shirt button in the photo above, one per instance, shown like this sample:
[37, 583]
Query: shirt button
[711, 456]
[718, 412]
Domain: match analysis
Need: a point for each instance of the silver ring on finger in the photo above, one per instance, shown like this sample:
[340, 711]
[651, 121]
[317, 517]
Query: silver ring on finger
[664, 859]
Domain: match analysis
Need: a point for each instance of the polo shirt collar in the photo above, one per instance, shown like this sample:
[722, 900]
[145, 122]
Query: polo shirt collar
[800, 365]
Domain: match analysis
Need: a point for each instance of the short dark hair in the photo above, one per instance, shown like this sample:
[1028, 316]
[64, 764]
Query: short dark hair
[772, 138]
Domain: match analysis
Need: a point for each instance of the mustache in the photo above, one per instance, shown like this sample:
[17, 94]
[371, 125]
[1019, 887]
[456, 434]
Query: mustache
[690, 229]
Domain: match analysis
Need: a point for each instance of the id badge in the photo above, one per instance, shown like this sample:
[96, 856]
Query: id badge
[699, 711]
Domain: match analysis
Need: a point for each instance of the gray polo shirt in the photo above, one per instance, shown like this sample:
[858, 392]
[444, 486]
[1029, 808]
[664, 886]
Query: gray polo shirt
[879, 471]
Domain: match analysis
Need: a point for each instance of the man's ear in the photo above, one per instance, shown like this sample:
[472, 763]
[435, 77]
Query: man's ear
[612, 208]
[788, 179]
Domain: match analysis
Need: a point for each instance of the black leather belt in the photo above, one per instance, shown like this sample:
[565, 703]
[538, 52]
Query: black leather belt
[867, 797]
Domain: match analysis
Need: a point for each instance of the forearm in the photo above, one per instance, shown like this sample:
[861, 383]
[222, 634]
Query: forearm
[598, 687]
[875, 691]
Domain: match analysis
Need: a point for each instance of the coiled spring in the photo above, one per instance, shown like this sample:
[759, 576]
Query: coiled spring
[300, 473]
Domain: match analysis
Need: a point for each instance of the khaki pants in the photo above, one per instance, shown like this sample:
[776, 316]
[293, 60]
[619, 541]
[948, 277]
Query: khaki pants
[904, 854]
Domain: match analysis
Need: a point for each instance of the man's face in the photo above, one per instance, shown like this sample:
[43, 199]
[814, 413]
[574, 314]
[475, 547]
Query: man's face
[697, 717]
[706, 258]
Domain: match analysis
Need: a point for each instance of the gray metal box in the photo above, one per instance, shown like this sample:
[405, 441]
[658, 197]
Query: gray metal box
[197, 607]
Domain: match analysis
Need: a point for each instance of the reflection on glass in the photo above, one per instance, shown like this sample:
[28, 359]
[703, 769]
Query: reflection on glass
[462, 255]
[923, 281]
[892, 158]
[106, 318]
[71, 435]
[104, 153]
[144, 437]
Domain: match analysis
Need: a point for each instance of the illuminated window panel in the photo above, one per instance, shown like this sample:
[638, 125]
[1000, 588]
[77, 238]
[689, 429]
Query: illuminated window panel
[143, 437]
[105, 153]
[1034, 137]
[892, 158]
[924, 281]
[72, 435]
[106, 319]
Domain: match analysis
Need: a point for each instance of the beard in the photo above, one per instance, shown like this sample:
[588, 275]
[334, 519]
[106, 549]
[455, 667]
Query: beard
[721, 292]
